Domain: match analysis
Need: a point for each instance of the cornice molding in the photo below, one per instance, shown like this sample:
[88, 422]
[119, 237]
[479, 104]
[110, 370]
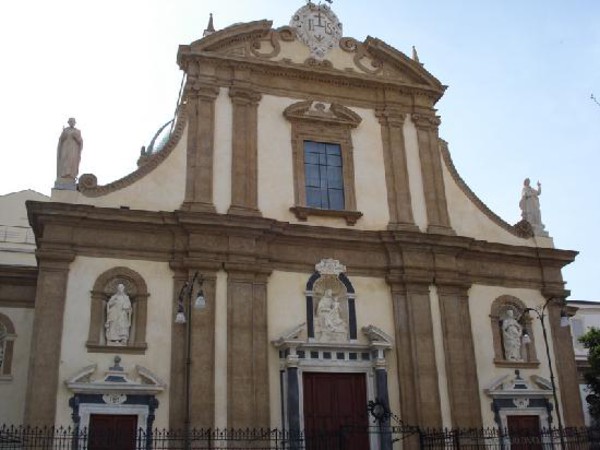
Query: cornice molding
[315, 111]
[403, 256]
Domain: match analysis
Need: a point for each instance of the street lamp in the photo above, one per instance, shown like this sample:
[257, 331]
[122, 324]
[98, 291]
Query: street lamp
[540, 312]
[185, 296]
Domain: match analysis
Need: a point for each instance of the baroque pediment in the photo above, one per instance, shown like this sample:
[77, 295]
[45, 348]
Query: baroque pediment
[257, 42]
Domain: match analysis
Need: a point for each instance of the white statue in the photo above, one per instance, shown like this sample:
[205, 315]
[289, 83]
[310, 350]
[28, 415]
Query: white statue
[512, 333]
[330, 321]
[118, 318]
[68, 155]
[530, 207]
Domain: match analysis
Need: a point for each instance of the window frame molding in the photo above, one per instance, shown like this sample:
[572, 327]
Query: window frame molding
[498, 308]
[101, 292]
[324, 123]
[8, 342]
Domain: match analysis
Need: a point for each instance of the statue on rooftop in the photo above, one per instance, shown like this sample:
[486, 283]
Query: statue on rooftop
[530, 207]
[68, 156]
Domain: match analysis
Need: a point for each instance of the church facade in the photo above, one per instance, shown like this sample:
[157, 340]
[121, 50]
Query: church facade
[305, 192]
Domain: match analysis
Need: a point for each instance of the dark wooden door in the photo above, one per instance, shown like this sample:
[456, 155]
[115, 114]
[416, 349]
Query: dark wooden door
[524, 432]
[112, 432]
[335, 411]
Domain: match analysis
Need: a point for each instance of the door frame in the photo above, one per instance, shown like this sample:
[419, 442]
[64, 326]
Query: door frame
[87, 409]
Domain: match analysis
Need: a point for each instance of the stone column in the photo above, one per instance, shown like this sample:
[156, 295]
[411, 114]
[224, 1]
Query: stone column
[417, 370]
[247, 350]
[244, 170]
[566, 369]
[200, 147]
[293, 400]
[202, 356]
[459, 353]
[381, 384]
[431, 170]
[396, 171]
[44, 358]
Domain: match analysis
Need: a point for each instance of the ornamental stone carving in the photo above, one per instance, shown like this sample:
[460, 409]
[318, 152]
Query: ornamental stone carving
[330, 267]
[331, 327]
[318, 28]
[512, 332]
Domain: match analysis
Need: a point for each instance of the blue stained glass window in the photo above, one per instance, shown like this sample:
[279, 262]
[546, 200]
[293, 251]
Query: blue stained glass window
[323, 175]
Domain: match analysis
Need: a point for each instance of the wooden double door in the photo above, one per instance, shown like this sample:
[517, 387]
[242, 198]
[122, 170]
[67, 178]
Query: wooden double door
[112, 432]
[524, 432]
[335, 411]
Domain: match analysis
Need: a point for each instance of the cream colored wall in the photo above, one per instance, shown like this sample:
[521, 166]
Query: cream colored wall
[415, 178]
[276, 176]
[74, 356]
[480, 301]
[468, 220]
[287, 309]
[163, 189]
[222, 152]
[12, 391]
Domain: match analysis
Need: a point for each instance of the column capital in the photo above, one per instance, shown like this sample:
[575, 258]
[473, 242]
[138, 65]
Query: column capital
[203, 90]
[426, 121]
[390, 116]
[244, 95]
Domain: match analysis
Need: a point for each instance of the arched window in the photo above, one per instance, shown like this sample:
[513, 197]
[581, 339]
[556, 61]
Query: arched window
[7, 337]
[508, 324]
[118, 312]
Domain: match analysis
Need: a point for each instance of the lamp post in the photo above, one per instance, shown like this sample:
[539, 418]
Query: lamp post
[540, 313]
[184, 305]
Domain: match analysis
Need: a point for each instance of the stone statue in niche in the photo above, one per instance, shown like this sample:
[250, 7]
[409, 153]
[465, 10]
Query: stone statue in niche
[332, 327]
[118, 318]
[530, 207]
[512, 333]
[68, 156]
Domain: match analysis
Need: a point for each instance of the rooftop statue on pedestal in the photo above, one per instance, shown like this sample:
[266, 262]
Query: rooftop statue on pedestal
[530, 207]
[68, 156]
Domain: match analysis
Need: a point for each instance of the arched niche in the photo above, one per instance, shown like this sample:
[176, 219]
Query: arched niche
[104, 288]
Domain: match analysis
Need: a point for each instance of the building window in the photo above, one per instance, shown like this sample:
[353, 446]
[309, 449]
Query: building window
[324, 177]
[323, 160]
[7, 337]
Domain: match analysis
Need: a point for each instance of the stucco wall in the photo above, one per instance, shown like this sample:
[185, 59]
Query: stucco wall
[74, 355]
[222, 152]
[276, 175]
[415, 178]
[12, 390]
[480, 301]
[468, 220]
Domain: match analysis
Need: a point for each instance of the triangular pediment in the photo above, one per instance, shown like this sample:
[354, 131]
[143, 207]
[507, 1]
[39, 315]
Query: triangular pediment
[258, 42]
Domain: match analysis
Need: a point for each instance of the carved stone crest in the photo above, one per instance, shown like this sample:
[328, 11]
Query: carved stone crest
[317, 27]
[114, 399]
[330, 267]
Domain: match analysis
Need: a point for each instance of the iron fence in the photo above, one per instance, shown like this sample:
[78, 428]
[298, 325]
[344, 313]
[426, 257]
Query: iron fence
[347, 438]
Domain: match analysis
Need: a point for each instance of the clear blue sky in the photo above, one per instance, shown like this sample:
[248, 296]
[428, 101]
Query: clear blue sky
[520, 75]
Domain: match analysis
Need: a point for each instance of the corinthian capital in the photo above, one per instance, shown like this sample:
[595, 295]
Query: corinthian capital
[426, 121]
